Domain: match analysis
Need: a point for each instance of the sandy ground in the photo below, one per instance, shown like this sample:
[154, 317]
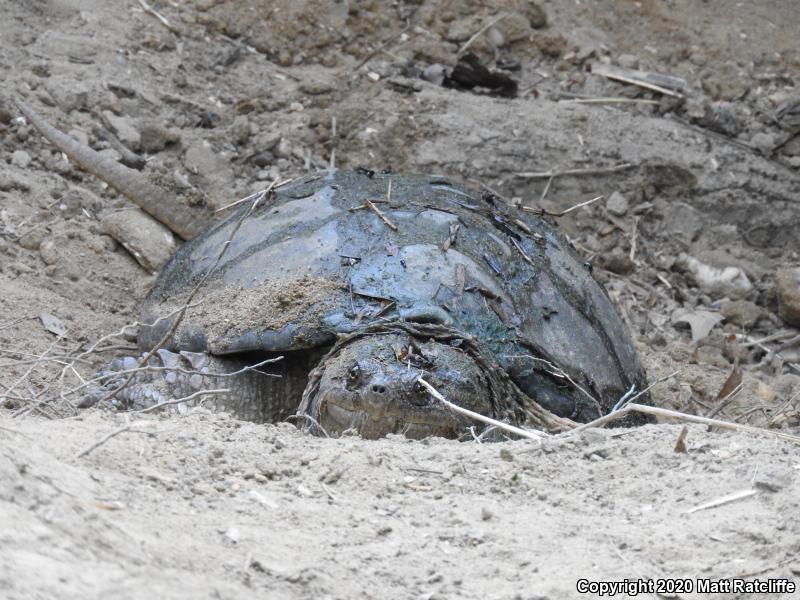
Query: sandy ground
[238, 93]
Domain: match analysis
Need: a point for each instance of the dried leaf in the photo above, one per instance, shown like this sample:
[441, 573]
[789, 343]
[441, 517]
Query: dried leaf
[53, 325]
[680, 443]
[731, 383]
[701, 322]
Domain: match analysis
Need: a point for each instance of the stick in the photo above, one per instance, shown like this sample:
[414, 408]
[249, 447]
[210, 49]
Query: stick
[544, 211]
[116, 432]
[531, 434]
[480, 32]
[179, 400]
[576, 172]
[639, 78]
[380, 47]
[152, 12]
[673, 414]
[602, 100]
[740, 495]
[382, 216]
[255, 196]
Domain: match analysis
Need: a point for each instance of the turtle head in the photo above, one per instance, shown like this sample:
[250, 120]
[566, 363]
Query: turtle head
[371, 385]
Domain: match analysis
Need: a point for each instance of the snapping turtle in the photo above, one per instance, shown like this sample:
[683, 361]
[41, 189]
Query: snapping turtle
[362, 282]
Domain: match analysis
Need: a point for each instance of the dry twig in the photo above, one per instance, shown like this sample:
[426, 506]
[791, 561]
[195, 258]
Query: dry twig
[674, 414]
[576, 172]
[549, 213]
[162, 19]
[479, 33]
[371, 205]
[531, 434]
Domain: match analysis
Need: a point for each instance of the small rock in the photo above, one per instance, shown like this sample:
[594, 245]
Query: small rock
[617, 204]
[506, 455]
[628, 61]
[486, 514]
[124, 129]
[789, 295]
[316, 87]
[724, 118]
[49, 252]
[434, 73]
[536, 14]
[283, 149]
[8, 183]
[241, 130]
[150, 243]
[32, 240]
[154, 138]
[741, 312]
[233, 535]
[550, 45]
[5, 114]
[267, 141]
[20, 158]
[718, 282]
[462, 29]
[764, 142]
[617, 262]
[513, 28]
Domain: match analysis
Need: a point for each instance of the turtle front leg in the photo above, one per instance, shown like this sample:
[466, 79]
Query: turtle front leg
[256, 394]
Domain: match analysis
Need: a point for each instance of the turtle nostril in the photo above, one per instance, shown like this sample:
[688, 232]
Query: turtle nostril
[379, 389]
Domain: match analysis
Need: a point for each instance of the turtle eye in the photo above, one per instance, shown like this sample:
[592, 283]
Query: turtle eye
[420, 389]
[353, 376]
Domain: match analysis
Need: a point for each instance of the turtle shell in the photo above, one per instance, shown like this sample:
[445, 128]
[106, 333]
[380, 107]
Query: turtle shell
[315, 259]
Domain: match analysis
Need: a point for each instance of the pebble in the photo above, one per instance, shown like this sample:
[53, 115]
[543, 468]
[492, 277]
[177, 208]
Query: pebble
[741, 312]
[8, 183]
[724, 118]
[617, 204]
[718, 281]
[124, 129]
[33, 240]
[764, 142]
[789, 295]
[486, 514]
[462, 29]
[628, 61]
[434, 73]
[241, 130]
[283, 149]
[618, 262]
[536, 14]
[154, 138]
[20, 158]
[513, 28]
[316, 87]
[49, 252]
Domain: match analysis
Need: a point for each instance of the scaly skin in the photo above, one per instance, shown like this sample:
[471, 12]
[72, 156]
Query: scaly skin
[268, 394]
